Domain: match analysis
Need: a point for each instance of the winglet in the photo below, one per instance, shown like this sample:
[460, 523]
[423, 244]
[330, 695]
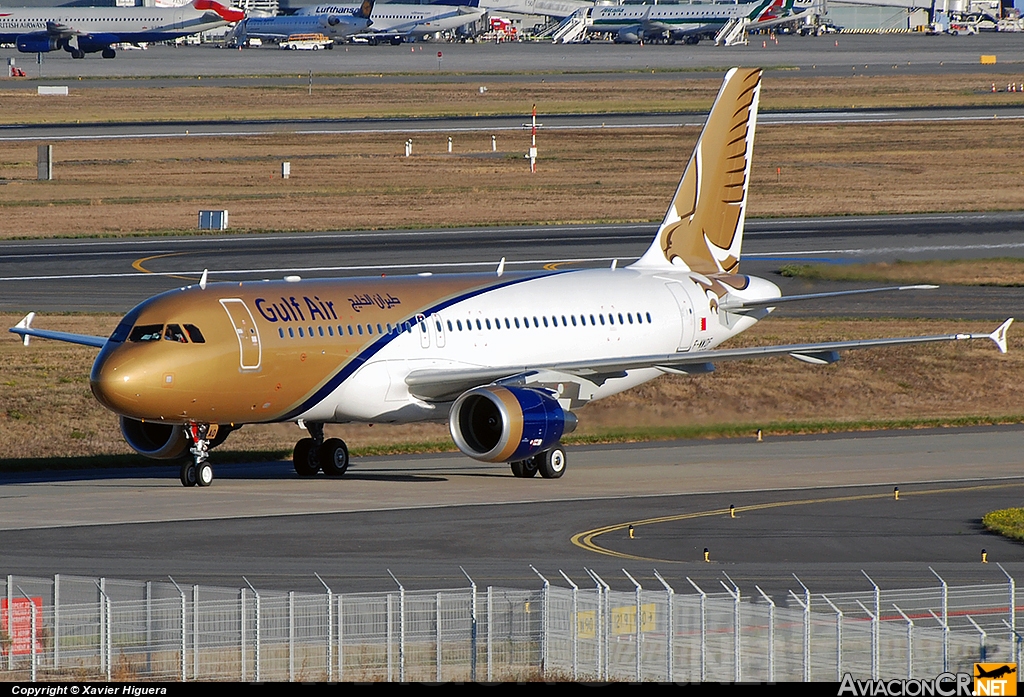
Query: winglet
[202, 281]
[999, 335]
[25, 323]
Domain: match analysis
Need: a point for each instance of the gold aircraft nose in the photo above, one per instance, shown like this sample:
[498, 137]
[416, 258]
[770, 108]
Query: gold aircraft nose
[118, 383]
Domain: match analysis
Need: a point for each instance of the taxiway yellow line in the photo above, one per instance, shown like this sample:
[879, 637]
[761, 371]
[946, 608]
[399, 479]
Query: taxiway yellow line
[138, 264]
[585, 539]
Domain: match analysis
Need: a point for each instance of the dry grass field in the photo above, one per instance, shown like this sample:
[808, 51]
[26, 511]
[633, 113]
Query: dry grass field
[364, 181]
[963, 272]
[47, 410]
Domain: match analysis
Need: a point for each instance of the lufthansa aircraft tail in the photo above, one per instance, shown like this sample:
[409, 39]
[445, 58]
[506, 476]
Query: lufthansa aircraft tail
[703, 228]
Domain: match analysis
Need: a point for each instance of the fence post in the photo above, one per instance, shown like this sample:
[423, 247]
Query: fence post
[981, 632]
[602, 625]
[839, 639]
[181, 594]
[703, 630]
[639, 633]
[105, 611]
[490, 633]
[341, 642]
[670, 631]
[241, 632]
[574, 624]
[33, 627]
[291, 636]
[874, 644]
[56, 622]
[736, 648]
[472, 628]
[806, 605]
[945, 621]
[910, 642]
[330, 629]
[544, 624]
[258, 648]
[401, 628]
[149, 626]
[195, 632]
[10, 604]
[103, 615]
[390, 649]
[437, 631]
[771, 634]
[1013, 603]
[876, 638]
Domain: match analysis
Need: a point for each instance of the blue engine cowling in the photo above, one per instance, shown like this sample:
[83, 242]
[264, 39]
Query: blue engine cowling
[36, 43]
[507, 424]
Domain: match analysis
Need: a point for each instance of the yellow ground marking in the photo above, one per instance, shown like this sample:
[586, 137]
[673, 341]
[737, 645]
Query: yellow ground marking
[586, 539]
[138, 264]
[554, 266]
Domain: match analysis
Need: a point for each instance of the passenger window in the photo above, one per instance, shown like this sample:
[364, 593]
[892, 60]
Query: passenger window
[545, 321]
[486, 320]
[648, 317]
[360, 328]
[517, 322]
[301, 334]
[194, 335]
[449, 326]
[479, 326]
[380, 329]
[320, 330]
[291, 332]
[280, 332]
[146, 332]
[459, 323]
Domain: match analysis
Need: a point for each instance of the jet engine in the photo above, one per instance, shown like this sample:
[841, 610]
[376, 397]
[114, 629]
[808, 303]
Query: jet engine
[163, 441]
[507, 424]
[628, 35]
[36, 43]
[154, 439]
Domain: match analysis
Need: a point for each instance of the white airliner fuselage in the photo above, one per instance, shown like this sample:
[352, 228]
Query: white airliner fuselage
[394, 19]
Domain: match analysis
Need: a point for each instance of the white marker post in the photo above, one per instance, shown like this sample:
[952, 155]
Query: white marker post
[533, 143]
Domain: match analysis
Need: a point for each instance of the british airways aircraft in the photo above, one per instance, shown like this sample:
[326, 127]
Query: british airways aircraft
[504, 358]
[81, 30]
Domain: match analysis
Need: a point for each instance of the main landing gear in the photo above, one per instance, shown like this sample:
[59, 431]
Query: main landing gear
[550, 463]
[198, 472]
[314, 454]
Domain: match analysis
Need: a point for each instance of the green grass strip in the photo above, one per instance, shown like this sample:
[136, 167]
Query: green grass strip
[1008, 522]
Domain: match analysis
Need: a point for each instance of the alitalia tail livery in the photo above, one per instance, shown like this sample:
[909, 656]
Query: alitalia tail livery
[81, 30]
[504, 358]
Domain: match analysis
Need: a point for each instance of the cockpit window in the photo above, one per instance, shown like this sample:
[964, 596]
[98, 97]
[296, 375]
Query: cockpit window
[146, 332]
[194, 334]
[174, 333]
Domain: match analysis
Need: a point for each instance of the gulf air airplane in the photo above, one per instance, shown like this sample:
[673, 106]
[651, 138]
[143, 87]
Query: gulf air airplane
[505, 358]
[81, 30]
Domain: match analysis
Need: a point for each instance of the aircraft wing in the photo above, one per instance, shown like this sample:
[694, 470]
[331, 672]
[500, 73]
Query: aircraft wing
[739, 305]
[25, 331]
[443, 385]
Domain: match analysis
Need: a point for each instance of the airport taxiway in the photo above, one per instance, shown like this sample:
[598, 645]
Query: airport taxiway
[819, 506]
[113, 275]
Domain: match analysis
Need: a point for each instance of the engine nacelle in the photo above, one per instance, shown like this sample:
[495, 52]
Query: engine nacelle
[36, 43]
[628, 35]
[153, 439]
[507, 424]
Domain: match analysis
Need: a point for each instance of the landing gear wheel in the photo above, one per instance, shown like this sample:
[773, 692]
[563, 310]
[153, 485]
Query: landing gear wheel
[334, 457]
[108, 52]
[551, 463]
[77, 54]
[188, 474]
[305, 458]
[524, 469]
[204, 474]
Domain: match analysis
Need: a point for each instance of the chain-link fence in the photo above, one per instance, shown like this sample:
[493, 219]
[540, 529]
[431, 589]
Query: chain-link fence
[72, 627]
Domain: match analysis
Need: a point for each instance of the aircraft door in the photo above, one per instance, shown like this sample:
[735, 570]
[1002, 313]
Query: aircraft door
[249, 349]
[179, 19]
[686, 315]
[423, 330]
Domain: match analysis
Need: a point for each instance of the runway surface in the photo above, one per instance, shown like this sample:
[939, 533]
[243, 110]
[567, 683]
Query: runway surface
[114, 275]
[822, 56]
[821, 507]
[488, 124]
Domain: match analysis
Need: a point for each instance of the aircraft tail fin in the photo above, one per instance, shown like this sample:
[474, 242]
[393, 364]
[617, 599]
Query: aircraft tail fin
[703, 228]
[365, 9]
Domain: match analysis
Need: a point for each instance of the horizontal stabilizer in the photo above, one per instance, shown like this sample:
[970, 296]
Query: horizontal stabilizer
[24, 330]
[740, 305]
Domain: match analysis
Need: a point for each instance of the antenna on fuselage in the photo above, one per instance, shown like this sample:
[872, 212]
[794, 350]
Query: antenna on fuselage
[501, 266]
[202, 280]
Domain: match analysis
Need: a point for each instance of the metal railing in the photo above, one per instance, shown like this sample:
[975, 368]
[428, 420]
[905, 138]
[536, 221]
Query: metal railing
[72, 627]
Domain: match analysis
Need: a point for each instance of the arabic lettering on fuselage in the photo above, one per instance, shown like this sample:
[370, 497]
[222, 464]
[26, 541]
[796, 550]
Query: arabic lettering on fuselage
[358, 302]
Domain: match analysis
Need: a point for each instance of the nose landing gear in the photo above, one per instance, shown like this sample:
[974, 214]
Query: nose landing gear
[198, 472]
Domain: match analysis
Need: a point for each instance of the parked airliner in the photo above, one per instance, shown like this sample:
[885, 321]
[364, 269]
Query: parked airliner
[81, 30]
[396, 22]
[504, 358]
[334, 25]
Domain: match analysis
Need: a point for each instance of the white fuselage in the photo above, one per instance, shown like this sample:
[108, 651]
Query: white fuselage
[404, 19]
[130, 24]
[574, 316]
